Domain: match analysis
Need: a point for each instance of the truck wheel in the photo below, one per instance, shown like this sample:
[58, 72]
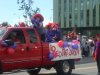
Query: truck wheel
[34, 71]
[63, 68]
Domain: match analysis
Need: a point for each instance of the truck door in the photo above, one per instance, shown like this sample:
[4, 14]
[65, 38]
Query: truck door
[35, 50]
[17, 59]
[28, 53]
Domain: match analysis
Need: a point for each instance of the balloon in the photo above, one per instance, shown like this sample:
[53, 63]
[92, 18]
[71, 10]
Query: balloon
[11, 51]
[65, 44]
[60, 43]
[51, 56]
[74, 46]
[75, 41]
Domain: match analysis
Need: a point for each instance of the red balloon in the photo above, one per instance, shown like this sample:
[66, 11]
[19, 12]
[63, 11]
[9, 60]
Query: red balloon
[60, 43]
[11, 51]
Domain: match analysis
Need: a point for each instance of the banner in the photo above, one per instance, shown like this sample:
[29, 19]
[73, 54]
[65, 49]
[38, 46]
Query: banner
[60, 53]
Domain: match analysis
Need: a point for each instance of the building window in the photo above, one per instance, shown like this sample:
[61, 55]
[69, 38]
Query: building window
[94, 12]
[70, 13]
[65, 12]
[76, 12]
[88, 5]
[99, 12]
[81, 13]
[59, 11]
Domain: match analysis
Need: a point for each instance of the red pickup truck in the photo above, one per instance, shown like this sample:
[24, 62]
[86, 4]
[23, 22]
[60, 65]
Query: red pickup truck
[30, 53]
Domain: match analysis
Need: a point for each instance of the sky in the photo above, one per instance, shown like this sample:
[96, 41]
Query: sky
[9, 10]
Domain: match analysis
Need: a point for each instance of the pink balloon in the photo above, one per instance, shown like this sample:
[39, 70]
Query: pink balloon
[11, 51]
[60, 43]
[75, 41]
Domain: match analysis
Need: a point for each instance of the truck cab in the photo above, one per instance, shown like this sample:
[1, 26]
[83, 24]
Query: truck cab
[29, 53]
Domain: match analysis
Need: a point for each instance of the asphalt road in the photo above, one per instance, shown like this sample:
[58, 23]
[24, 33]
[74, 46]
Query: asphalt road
[83, 67]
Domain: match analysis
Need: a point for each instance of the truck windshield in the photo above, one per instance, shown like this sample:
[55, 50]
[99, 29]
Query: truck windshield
[2, 31]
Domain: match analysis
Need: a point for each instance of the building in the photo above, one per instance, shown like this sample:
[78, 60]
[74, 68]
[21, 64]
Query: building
[82, 14]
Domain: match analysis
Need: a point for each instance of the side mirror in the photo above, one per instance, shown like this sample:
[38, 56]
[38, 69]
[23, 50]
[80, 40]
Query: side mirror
[8, 43]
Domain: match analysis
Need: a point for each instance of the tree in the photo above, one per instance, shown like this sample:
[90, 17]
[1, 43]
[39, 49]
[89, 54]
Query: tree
[5, 24]
[26, 7]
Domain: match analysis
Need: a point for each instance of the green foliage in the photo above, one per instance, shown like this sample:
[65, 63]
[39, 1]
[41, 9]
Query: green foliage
[5, 24]
[26, 7]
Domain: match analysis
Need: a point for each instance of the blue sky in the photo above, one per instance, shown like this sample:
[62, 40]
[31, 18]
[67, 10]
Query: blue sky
[9, 10]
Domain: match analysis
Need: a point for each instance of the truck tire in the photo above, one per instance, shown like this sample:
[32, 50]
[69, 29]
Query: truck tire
[34, 71]
[63, 68]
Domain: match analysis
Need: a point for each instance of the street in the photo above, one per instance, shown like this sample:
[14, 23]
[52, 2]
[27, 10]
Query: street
[84, 67]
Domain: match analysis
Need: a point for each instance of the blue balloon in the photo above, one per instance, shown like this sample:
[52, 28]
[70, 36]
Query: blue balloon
[65, 44]
[75, 46]
[51, 56]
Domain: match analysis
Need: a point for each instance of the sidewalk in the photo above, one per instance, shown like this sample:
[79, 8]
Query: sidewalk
[85, 60]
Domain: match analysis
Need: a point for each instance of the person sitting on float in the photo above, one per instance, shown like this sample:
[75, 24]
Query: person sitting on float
[48, 33]
[56, 31]
[52, 34]
[37, 21]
